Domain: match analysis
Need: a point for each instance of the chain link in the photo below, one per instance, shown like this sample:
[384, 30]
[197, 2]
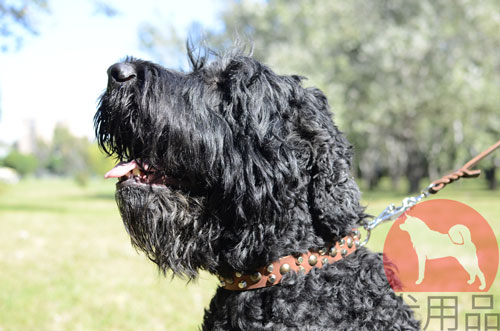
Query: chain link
[392, 212]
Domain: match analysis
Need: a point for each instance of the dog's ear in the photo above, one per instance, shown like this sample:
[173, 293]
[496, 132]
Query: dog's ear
[333, 194]
[239, 73]
[256, 175]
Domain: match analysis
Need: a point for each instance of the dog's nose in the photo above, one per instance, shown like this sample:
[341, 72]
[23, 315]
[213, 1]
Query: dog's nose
[122, 72]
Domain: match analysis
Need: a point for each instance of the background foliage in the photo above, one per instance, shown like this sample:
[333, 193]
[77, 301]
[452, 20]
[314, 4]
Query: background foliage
[18, 18]
[414, 84]
[65, 155]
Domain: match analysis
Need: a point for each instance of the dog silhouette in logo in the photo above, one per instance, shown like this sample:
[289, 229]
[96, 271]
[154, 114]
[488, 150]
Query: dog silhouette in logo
[430, 244]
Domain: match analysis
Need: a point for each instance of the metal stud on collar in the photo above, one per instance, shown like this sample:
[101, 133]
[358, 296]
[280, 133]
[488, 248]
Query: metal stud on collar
[255, 277]
[271, 279]
[313, 259]
[300, 259]
[273, 273]
[284, 268]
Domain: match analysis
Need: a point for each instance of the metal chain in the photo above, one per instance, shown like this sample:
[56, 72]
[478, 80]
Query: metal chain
[392, 212]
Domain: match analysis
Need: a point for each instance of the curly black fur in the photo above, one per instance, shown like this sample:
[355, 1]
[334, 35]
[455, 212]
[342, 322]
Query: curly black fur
[260, 172]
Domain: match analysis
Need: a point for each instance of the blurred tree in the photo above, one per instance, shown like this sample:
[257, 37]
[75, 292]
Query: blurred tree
[42, 152]
[413, 83]
[18, 18]
[103, 8]
[68, 155]
[98, 162]
[24, 164]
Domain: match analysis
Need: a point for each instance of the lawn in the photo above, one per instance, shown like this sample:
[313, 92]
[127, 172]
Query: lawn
[66, 262]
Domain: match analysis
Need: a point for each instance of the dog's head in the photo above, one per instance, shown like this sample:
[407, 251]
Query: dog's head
[412, 224]
[226, 167]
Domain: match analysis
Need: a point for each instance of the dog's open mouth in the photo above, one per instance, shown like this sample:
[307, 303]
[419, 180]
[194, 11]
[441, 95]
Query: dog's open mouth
[141, 173]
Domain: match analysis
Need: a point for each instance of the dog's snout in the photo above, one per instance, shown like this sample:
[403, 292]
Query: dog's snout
[122, 72]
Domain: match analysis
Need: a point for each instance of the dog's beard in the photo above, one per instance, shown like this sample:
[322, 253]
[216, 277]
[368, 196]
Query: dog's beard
[168, 226]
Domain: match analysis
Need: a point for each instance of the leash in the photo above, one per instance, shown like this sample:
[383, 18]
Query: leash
[392, 212]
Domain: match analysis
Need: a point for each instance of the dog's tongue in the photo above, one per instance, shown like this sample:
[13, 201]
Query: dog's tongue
[121, 169]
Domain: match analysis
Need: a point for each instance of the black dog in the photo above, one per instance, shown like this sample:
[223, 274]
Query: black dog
[231, 167]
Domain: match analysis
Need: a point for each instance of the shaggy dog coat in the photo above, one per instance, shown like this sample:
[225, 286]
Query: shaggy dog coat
[231, 167]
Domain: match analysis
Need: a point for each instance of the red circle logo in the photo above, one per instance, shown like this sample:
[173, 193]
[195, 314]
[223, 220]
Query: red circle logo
[441, 246]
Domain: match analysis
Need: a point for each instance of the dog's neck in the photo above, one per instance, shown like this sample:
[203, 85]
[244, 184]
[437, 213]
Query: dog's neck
[272, 273]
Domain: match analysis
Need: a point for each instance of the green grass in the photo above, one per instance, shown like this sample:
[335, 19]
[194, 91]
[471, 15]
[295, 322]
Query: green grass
[66, 262]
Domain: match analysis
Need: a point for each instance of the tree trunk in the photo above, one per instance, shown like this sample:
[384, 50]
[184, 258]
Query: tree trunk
[395, 182]
[414, 184]
[415, 170]
[489, 174]
[373, 182]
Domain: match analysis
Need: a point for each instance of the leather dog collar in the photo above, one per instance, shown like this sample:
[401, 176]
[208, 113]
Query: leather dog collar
[272, 274]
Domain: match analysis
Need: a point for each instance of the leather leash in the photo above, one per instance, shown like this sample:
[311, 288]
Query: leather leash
[464, 172]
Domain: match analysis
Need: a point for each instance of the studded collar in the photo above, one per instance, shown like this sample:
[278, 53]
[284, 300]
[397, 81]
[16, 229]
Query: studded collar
[272, 274]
